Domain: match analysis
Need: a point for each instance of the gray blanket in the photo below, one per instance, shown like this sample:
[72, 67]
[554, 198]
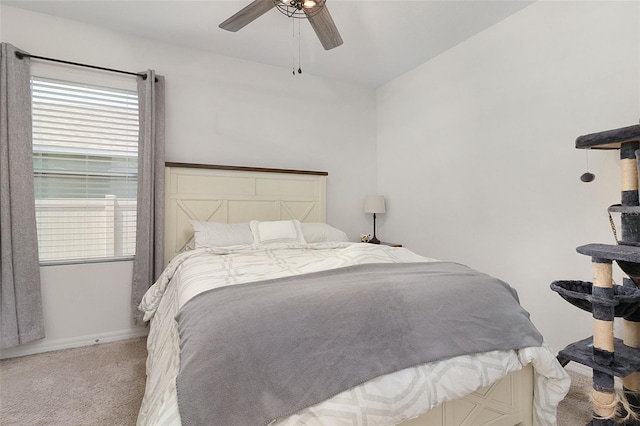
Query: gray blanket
[254, 352]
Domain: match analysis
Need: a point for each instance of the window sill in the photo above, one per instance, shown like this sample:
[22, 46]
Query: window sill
[86, 261]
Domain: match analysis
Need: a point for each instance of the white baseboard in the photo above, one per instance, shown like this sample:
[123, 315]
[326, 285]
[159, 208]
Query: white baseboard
[47, 345]
[579, 368]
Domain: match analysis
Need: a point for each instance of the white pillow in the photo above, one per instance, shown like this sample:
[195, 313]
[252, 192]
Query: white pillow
[213, 234]
[277, 231]
[322, 233]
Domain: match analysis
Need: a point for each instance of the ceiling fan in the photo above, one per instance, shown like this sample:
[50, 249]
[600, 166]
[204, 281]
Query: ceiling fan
[314, 10]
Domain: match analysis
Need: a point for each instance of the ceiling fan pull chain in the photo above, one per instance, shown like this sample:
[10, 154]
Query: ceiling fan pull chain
[293, 46]
[299, 55]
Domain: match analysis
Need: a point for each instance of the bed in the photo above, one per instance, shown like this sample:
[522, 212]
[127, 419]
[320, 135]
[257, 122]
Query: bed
[261, 230]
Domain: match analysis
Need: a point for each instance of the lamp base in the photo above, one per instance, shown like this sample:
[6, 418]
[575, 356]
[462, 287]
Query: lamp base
[374, 240]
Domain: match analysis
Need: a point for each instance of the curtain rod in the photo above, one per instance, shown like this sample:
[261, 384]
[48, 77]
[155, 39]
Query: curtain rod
[21, 55]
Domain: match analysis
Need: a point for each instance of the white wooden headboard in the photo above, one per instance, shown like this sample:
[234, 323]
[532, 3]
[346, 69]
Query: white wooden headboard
[230, 194]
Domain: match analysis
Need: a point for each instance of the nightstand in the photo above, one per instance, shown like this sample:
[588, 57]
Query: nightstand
[383, 243]
[390, 244]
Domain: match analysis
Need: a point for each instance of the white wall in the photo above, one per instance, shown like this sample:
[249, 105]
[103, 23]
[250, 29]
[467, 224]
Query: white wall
[219, 110]
[476, 149]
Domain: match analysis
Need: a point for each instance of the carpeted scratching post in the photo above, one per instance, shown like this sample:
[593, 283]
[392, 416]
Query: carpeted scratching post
[603, 398]
[607, 356]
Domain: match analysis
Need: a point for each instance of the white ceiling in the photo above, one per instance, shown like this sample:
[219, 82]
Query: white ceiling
[382, 39]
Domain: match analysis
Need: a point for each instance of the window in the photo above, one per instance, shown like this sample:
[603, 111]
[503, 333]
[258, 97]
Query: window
[85, 158]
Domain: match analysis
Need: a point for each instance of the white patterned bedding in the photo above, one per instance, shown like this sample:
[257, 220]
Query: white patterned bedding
[386, 400]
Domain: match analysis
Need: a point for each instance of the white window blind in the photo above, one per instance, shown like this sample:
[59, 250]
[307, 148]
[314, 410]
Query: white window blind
[85, 157]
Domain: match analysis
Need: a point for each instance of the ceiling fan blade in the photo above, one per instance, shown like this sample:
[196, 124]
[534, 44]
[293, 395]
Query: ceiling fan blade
[248, 14]
[322, 23]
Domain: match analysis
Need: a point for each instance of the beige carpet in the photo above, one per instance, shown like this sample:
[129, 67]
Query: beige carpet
[93, 385]
[574, 409]
[103, 385]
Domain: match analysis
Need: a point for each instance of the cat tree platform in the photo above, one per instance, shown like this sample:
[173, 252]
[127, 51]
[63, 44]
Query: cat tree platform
[625, 299]
[609, 139]
[623, 252]
[626, 359]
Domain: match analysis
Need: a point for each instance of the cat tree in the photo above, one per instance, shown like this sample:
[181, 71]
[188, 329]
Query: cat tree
[610, 357]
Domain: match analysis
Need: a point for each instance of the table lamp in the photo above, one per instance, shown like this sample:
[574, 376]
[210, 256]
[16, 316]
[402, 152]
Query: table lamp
[374, 204]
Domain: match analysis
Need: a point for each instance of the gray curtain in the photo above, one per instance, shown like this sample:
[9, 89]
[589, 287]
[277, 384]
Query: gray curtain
[148, 263]
[20, 297]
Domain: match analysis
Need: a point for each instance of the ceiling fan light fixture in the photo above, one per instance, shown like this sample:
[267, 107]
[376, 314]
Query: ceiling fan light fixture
[300, 9]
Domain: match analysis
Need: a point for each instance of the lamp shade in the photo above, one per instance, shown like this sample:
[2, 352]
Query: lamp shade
[374, 204]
